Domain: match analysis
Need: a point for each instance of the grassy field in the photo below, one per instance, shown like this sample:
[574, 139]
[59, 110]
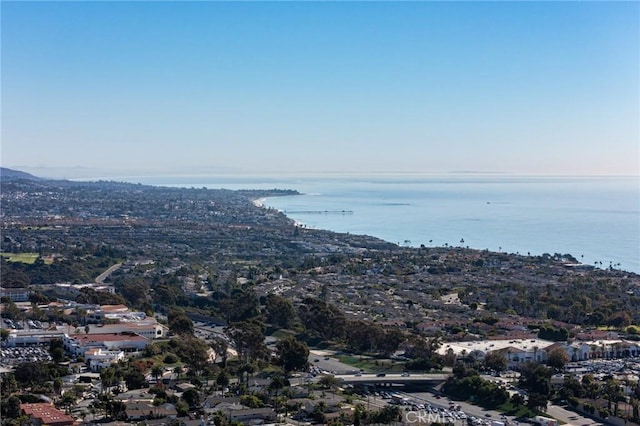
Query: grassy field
[371, 364]
[20, 257]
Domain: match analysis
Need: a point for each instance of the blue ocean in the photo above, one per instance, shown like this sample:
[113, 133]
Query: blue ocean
[595, 219]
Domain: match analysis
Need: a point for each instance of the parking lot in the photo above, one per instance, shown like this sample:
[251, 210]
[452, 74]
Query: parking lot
[13, 356]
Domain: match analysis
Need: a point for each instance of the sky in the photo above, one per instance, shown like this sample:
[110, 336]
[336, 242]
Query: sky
[167, 88]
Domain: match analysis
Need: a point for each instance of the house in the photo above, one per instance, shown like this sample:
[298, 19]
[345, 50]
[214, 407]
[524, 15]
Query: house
[249, 414]
[141, 410]
[44, 413]
[211, 402]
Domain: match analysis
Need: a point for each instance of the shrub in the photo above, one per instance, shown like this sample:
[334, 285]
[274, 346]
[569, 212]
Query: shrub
[170, 359]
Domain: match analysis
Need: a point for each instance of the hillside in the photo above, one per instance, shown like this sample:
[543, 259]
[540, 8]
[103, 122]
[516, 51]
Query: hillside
[10, 175]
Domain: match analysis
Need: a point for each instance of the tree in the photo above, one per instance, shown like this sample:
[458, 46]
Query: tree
[386, 415]
[56, 350]
[11, 407]
[495, 361]
[220, 347]
[245, 370]
[280, 311]
[248, 337]
[277, 383]
[135, 379]
[292, 354]
[177, 370]
[191, 397]
[10, 310]
[180, 323]
[57, 385]
[240, 305]
[193, 351]
[251, 401]
[557, 358]
[68, 399]
[535, 378]
[322, 319]
[613, 392]
[328, 381]
[36, 373]
[619, 319]
[222, 380]
[156, 372]
[107, 377]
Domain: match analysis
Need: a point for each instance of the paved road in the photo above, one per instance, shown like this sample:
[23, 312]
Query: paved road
[570, 417]
[103, 276]
[557, 412]
[324, 361]
[397, 378]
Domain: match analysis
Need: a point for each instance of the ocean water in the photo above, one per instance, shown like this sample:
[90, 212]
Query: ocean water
[595, 219]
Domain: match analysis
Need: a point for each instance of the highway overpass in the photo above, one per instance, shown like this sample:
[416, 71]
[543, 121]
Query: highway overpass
[430, 379]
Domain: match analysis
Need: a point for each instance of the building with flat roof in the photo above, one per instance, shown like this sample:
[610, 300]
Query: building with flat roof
[99, 358]
[31, 337]
[15, 294]
[518, 351]
[78, 344]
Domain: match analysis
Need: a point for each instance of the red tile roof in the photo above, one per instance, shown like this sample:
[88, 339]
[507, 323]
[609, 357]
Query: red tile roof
[47, 414]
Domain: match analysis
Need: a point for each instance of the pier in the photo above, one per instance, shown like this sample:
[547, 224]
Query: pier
[318, 211]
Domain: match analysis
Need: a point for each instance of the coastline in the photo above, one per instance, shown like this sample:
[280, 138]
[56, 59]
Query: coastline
[261, 203]
[529, 218]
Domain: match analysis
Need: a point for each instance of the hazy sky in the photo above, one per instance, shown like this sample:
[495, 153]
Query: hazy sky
[209, 87]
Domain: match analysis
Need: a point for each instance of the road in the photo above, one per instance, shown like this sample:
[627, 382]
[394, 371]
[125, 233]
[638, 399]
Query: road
[557, 412]
[397, 378]
[570, 417]
[324, 361]
[103, 276]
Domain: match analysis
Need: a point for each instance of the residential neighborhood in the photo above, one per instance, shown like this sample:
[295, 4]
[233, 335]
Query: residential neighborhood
[128, 304]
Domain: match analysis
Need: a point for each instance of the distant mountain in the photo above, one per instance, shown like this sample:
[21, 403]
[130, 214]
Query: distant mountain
[10, 174]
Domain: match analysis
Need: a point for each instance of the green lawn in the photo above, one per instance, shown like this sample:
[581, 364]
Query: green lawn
[367, 363]
[20, 257]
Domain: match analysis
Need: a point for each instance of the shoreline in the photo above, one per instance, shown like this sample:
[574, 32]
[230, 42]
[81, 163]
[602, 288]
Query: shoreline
[261, 203]
[579, 258]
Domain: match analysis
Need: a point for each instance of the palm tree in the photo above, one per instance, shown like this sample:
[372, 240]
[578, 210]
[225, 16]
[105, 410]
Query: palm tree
[277, 382]
[57, 385]
[246, 370]
[178, 371]
[157, 372]
[107, 375]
